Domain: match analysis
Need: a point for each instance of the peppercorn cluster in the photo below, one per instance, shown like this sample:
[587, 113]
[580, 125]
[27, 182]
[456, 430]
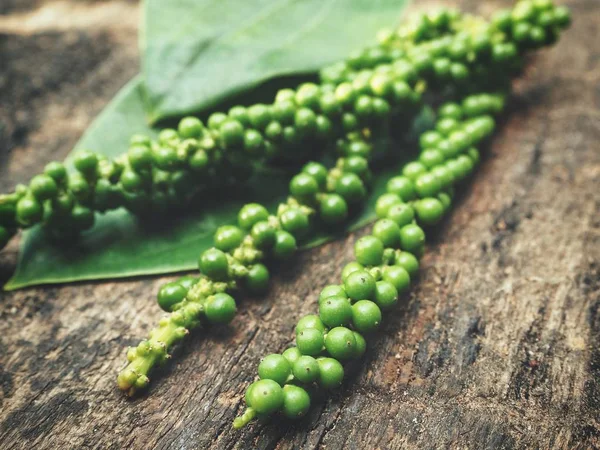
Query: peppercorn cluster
[356, 103]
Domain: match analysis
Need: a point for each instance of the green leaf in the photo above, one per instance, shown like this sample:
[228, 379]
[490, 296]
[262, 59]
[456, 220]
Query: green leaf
[199, 52]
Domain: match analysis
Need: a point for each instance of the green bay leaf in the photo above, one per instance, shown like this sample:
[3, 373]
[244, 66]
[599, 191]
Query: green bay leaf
[196, 53]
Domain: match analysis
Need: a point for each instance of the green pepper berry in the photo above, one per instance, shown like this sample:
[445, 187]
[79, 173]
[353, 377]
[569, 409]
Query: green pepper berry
[187, 281]
[310, 341]
[306, 369]
[403, 186]
[292, 354]
[317, 171]
[253, 142]
[231, 134]
[431, 158]
[349, 268]
[220, 308]
[413, 170]
[331, 372]
[228, 237]
[86, 162]
[165, 158]
[340, 343]
[168, 137]
[360, 285]
[427, 185]
[266, 397]
[335, 311]
[358, 148]
[82, 217]
[350, 187]
[412, 238]
[250, 214]
[294, 221]
[285, 245]
[307, 95]
[366, 316]
[57, 171]
[333, 209]
[443, 175]
[275, 367]
[263, 234]
[190, 127]
[257, 279]
[368, 251]
[398, 277]
[429, 211]
[29, 210]
[388, 232]
[451, 110]
[386, 294]
[296, 401]
[131, 181]
[332, 290]
[402, 214]
[43, 187]
[409, 262]
[259, 116]
[303, 186]
[213, 263]
[171, 294]
[215, 120]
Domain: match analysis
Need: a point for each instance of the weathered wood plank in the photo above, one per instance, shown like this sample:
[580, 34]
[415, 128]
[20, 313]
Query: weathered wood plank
[496, 347]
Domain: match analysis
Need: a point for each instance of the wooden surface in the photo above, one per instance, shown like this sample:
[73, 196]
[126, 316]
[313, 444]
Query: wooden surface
[496, 347]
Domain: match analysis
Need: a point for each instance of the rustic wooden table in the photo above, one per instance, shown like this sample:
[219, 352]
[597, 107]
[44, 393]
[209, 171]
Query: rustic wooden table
[497, 346]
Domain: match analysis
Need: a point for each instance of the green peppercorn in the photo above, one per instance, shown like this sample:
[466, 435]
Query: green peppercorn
[412, 238]
[220, 308]
[190, 127]
[310, 321]
[250, 214]
[335, 311]
[228, 237]
[409, 262]
[310, 341]
[43, 187]
[171, 294]
[366, 316]
[257, 279]
[386, 294]
[340, 343]
[266, 397]
[56, 171]
[427, 185]
[306, 369]
[349, 268]
[398, 277]
[331, 372]
[332, 290]
[294, 221]
[333, 209]
[86, 162]
[29, 211]
[213, 263]
[385, 202]
[368, 251]
[292, 354]
[359, 285]
[296, 401]
[402, 214]
[350, 187]
[429, 211]
[275, 367]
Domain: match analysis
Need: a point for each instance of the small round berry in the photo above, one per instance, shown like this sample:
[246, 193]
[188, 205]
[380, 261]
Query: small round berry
[310, 341]
[220, 308]
[239, 113]
[350, 187]
[213, 263]
[385, 202]
[190, 127]
[168, 136]
[412, 171]
[292, 354]
[340, 343]
[140, 158]
[310, 321]
[285, 245]
[303, 186]
[398, 277]
[401, 214]
[166, 158]
[228, 237]
[257, 279]
[335, 311]
[368, 251]
[349, 268]
[317, 171]
[43, 187]
[306, 369]
[251, 214]
[427, 185]
[296, 401]
[386, 294]
[331, 372]
[231, 134]
[263, 234]
[294, 221]
[253, 142]
[429, 211]
[366, 316]
[409, 262]
[388, 232]
[431, 157]
[305, 121]
[412, 238]
[57, 171]
[266, 397]
[333, 209]
[332, 290]
[259, 116]
[187, 281]
[361, 345]
[403, 187]
[451, 110]
[429, 139]
[29, 210]
[360, 285]
[170, 294]
[275, 367]
[86, 162]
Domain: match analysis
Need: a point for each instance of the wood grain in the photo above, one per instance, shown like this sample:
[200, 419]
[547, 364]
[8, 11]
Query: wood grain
[496, 346]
